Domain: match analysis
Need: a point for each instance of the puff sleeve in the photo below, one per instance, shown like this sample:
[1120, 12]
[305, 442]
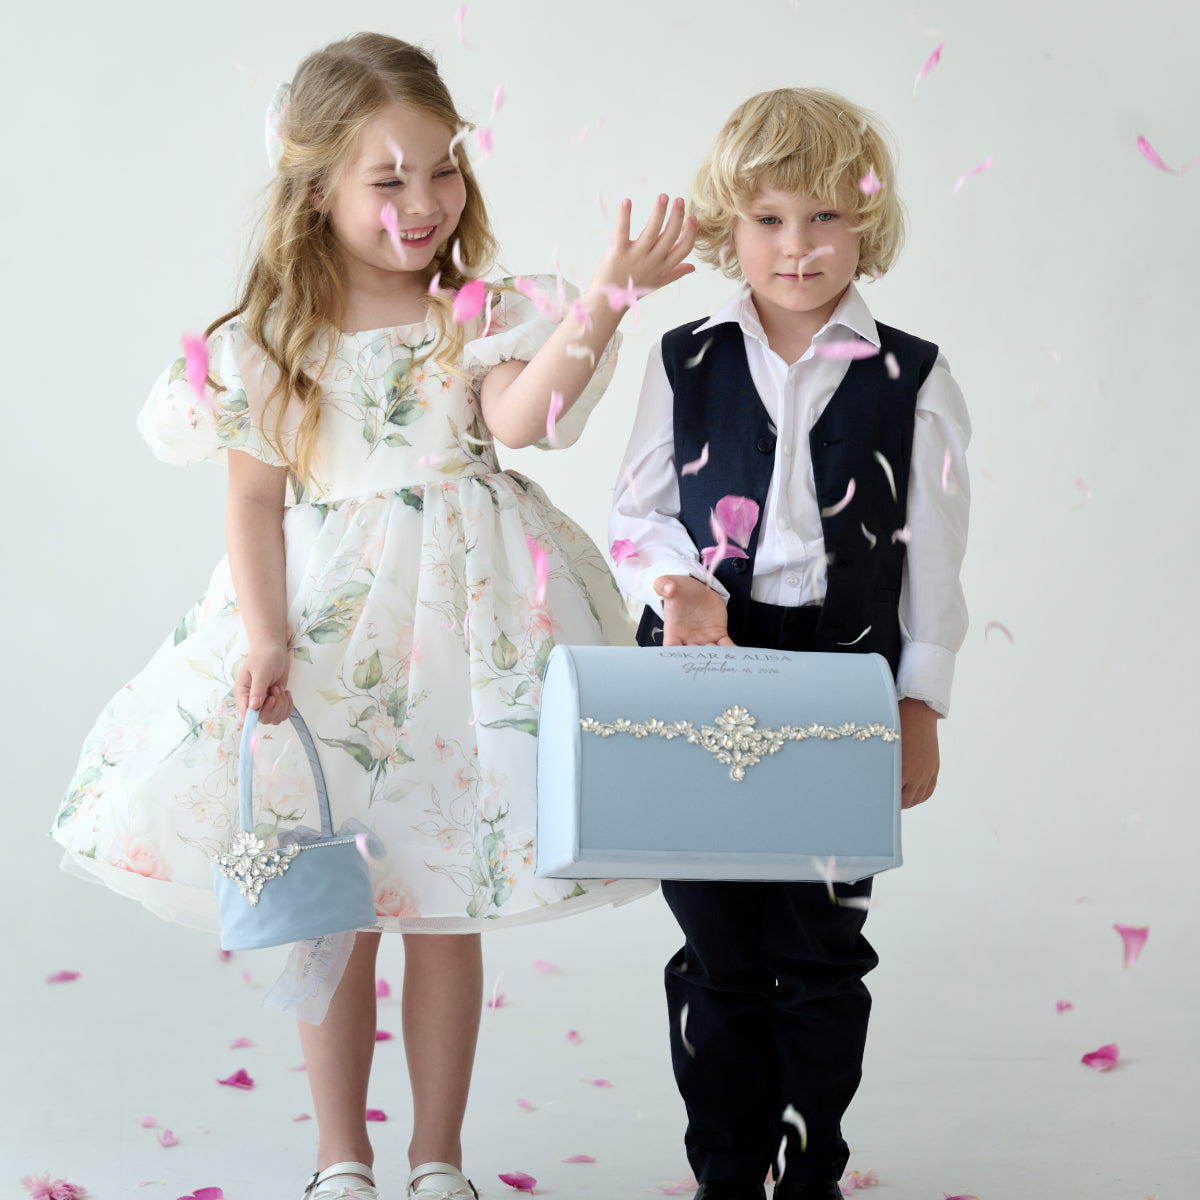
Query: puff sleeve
[182, 428]
[527, 312]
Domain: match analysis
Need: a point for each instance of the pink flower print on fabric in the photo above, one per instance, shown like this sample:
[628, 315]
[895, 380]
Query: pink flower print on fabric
[139, 854]
[395, 900]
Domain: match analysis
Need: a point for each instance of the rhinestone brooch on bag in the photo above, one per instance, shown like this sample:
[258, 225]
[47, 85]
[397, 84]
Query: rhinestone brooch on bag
[734, 741]
[249, 864]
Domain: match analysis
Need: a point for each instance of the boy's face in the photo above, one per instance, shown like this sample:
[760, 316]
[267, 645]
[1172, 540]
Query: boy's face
[798, 255]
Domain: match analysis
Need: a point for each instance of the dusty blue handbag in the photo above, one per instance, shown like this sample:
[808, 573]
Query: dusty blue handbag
[309, 886]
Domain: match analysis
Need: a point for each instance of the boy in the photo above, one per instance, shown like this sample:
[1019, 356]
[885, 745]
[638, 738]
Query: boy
[850, 437]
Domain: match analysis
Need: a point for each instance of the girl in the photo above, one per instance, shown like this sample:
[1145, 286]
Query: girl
[382, 571]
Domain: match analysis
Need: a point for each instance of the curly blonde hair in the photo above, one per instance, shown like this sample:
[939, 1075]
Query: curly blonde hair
[294, 290]
[804, 141]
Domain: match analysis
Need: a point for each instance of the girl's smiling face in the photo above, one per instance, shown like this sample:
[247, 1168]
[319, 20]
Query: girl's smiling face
[427, 195]
[798, 256]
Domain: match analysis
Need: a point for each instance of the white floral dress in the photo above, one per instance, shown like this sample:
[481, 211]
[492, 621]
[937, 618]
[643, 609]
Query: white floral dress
[417, 640]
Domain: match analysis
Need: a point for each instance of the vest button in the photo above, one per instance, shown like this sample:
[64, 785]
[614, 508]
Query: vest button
[741, 565]
[766, 444]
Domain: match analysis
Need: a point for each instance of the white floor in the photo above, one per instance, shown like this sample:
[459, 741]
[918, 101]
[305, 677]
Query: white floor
[973, 1082]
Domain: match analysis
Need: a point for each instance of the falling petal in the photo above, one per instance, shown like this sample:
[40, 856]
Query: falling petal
[519, 1180]
[893, 367]
[434, 289]
[683, 1016]
[868, 534]
[848, 348]
[624, 297]
[902, 535]
[360, 841]
[573, 1037]
[1083, 487]
[224, 955]
[1103, 1059]
[964, 1196]
[382, 1035]
[459, 13]
[865, 903]
[949, 487]
[739, 515]
[827, 869]
[997, 625]
[195, 350]
[498, 98]
[495, 1001]
[580, 311]
[578, 1158]
[622, 549]
[979, 170]
[208, 1193]
[375, 1114]
[147, 1122]
[239, 1079]
[697, 464]
[1133, 938]
[383, 989]
[468, 301]
[525, 1106]
[781, 1157]
[602, 206]
[459, 136]
[674, 1189]
[887, 470]
[552, 415]
[302, 1117]
[792, 1117]
[484, 140]
[577, 140]
[600, 1083]
[869, 184]
[301, 1067]
[167, 1139]
[859, 638]
[833, 509]
[391, 226]
[541, 571]
[62, 977]
[1149, 153]
[242, 1043]
[698, 357]
[1062, 1006]
[931, 62]
[633, 489]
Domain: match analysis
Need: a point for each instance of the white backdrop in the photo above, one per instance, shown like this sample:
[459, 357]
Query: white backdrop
[1060, 284]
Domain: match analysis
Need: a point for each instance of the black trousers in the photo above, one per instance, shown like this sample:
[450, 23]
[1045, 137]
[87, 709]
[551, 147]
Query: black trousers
[770, 976]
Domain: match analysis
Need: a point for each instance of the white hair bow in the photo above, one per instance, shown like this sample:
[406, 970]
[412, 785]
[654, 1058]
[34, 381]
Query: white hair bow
[277, 120]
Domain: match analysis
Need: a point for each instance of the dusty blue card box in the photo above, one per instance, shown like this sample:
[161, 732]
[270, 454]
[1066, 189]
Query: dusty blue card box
[710, 762]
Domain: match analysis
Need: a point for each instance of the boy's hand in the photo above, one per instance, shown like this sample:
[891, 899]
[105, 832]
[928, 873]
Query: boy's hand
[693, 614]
[918, 752]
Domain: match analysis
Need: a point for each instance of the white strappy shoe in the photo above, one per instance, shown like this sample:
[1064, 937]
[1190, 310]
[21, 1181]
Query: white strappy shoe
[341, 1182]
[441, 1182]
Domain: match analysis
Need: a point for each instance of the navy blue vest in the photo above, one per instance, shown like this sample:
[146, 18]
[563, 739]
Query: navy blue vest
[870, 414]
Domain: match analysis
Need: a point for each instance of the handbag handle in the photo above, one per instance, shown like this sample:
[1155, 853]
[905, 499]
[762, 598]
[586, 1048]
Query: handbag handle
[246, 772]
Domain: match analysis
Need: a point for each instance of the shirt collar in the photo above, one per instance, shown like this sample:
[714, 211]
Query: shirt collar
[852, 317]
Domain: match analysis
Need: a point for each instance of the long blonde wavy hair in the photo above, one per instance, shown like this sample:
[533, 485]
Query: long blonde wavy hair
[294, 289]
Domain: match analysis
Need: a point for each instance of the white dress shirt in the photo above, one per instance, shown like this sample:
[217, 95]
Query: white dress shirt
[789, 562]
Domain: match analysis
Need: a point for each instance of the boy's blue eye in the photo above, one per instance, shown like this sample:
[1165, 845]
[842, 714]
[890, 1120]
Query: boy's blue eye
[825, 217]
[768, 220]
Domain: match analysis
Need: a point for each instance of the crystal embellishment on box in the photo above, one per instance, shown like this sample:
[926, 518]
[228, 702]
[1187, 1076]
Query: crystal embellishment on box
[734, 741]
[250, 865]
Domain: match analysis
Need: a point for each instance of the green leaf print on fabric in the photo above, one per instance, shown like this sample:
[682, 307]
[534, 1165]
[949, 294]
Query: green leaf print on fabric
[369, 672]
[83, 783]
[178, 369]
[521, 724]
[234, 424]
[413, 497]
[331, 622]
[358, 750]
[504, 654]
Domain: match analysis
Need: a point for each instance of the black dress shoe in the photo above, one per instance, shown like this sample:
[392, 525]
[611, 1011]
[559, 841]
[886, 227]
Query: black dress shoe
[730, 1189]
[811, 1189]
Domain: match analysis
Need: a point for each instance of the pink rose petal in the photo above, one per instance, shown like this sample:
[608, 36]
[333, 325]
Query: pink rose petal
[1133, 937]
[964, 1196]
[382, 1035]
[552, 415]
[600, 1083]
[498, 98]
[301, 1067]
[697, 464]
[573, 1037]
[375, 1114]
[224, 955]
[195, 352]
[949, 487]
[519, 1180]
[147, 1122]
[484, 140]
[1001, 627]
[239, 1079]
[578, 1158]
[620, 550]
[739, 515]
[524, 1105]
[624, 297]
[391, 226]
[1149, 153]
[468, 301]
[833, 509]
[242, 1043]
[986, 165]
[674, 1189]
[931, 62]
[62, 977]
[459, 13]
[383, 989]
[167, 1139]
[541, 571]
[302, 1117]
[851, 348]
[209, 1193]
[1062, 1006]
[40, 1188]
[1103, 1059]
[869, 184]
[496, 1001]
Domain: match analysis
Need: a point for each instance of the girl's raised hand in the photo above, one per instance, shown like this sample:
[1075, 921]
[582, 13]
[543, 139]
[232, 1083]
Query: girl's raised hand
[633, 268]
[262, 683]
